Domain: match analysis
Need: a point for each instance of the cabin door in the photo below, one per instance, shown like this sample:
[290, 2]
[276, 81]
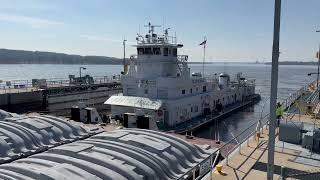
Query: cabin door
[166, 117]
[143, 122]
[125, 120]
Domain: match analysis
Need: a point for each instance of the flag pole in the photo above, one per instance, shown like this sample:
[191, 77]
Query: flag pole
[204, 55]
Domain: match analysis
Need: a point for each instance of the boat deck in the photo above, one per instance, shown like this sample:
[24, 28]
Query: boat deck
[250, 161]
[196, 123]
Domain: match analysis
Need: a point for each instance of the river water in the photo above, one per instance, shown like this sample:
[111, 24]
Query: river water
[291, 78]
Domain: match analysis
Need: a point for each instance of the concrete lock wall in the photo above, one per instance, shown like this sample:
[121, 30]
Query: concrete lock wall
[18, 98]
[21, 102]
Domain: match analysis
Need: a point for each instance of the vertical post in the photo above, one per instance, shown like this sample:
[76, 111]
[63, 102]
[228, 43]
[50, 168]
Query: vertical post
[124, 55]
[318, 54]
[227, 159]
[204, 53]
[204, 58]
[274, 84]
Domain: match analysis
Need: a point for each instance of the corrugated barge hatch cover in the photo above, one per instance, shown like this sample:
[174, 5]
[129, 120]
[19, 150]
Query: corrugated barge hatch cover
[119, 154]
[21, 136]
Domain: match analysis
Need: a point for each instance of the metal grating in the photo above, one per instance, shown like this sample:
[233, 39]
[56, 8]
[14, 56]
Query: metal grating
[119, 154]
[22, 136]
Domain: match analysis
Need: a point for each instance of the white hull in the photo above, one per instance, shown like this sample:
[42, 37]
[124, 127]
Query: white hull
[159, 90]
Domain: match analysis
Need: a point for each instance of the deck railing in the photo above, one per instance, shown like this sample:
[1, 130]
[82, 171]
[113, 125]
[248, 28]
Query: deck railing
[17, 86]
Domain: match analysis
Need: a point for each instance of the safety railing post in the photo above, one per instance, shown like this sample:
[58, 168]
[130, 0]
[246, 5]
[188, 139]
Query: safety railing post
[227, 159]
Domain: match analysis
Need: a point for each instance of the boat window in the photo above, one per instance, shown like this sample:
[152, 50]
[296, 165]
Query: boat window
[156, 51]
[196, 109]
[165, 51]
[204, 89]
[191, 91]
[174, 52]
[146, 91]
[140, 51]
[147, 51]
[191, 109]
[183, 91]
[169, 51]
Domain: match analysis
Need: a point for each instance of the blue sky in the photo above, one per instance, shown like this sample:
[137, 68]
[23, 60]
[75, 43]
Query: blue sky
[237, 30]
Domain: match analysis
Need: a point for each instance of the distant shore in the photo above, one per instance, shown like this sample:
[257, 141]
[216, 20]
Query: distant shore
[294, 63]
[8, 56]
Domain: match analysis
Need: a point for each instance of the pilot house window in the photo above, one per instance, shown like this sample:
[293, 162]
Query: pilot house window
[165, 51]
[140, 51]
[174, 52]
[147, 51]
[156, 51]
[183, 91]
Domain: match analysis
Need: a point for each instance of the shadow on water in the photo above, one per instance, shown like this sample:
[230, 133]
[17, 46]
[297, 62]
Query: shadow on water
[229, 127]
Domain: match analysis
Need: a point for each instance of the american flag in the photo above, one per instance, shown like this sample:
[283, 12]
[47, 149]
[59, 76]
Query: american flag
[203, 43]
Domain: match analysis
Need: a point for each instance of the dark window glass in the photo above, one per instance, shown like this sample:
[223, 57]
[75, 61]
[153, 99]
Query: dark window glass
[165, 51]
[183, 91]
[204, 89]
[156, 51]
[147, 51]
[191, 90]
[174, 52]
[140, 51]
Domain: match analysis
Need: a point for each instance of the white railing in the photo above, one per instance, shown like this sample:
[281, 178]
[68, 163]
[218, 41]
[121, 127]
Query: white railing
[17, 86]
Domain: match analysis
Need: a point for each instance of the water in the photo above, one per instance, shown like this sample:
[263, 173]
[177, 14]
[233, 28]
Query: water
[291, 78]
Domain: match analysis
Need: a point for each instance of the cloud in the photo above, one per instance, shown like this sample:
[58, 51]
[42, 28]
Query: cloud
[102, 38]
[31, 21]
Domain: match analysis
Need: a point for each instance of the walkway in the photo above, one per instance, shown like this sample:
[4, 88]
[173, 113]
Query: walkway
[250, 162]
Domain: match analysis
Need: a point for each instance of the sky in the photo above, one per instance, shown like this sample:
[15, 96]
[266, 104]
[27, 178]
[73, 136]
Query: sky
[236, 30]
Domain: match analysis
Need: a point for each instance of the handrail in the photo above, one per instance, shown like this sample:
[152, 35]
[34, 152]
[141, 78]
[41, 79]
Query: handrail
[27, 85]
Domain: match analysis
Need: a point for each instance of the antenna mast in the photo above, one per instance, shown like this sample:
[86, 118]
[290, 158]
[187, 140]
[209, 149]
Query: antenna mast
[151, 30]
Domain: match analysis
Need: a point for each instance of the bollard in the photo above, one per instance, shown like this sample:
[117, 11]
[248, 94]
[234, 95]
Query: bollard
[219, 168]
[258, 135]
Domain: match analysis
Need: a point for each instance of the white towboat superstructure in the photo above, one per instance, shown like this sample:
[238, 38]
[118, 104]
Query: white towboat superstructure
[160, 92]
